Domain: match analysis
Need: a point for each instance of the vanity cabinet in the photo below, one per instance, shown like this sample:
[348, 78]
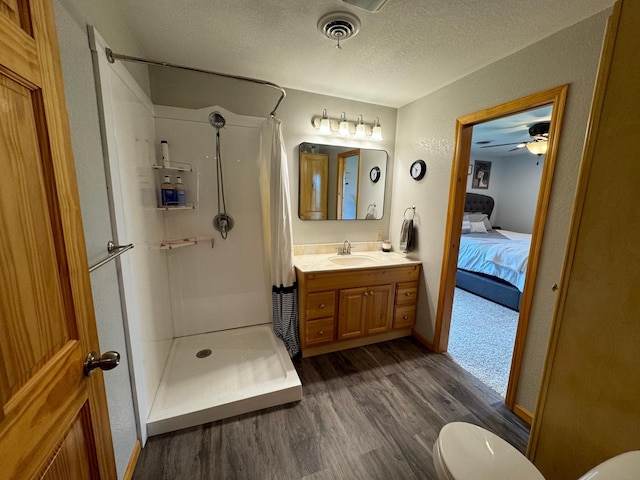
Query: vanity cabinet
[349, 308]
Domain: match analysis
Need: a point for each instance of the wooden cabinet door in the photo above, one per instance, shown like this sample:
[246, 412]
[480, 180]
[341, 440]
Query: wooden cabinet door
[53, 420]
[351, 313]
[314, 178]
[379, 309]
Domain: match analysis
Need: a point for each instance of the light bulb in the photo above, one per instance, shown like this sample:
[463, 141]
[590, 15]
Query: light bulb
[343, 131]
[376, 133]
[361, 130]
[325, 124]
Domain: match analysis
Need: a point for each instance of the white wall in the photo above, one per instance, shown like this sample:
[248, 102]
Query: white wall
[71, 19]
[519, 187]
[221, 287]
[426, 128]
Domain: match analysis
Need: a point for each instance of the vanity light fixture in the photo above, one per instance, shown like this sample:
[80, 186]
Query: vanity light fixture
[361, 129]
[344, 128]
[376, 133]
[325, 124]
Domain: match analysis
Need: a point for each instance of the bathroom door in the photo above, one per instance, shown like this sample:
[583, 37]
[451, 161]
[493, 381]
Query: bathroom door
[53, 420]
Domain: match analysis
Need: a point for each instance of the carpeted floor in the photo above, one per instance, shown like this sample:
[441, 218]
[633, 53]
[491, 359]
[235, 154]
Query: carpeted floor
[481, 338]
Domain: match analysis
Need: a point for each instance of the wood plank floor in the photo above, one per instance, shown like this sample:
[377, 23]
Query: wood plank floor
[372, 412]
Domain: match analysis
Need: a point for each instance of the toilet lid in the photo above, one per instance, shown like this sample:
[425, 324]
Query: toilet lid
[470, 452]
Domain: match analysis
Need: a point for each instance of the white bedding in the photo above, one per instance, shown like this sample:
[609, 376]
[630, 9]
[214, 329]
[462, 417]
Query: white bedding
[500, 253]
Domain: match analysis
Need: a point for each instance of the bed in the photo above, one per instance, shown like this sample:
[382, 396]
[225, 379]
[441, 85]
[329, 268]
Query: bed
[492, 263]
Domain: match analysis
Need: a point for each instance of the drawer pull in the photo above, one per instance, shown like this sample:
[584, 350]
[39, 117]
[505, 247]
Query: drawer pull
[408, 294]
[322, 305]
[371, 292]
[406, 317]
[366, 294]
[321, 332]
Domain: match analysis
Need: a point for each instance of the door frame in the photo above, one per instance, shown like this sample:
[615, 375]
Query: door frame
[342, 167]
[461, 159]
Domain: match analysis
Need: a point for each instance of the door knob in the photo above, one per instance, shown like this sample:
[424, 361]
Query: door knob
[107, 361]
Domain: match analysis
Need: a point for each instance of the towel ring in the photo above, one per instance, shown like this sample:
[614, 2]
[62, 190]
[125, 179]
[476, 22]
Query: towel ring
[413, 212]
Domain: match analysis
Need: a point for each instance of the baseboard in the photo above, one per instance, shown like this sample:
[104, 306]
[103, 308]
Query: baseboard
[523, 413]
[133, 461]
[422, 340]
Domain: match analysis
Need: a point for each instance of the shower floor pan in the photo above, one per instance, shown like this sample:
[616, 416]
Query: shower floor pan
[247, 369]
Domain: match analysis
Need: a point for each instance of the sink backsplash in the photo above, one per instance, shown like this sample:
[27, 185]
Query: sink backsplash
[318, 248]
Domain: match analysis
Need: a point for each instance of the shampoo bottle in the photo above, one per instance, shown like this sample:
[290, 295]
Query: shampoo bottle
[167, 192]
[164, 147]
[180, 192]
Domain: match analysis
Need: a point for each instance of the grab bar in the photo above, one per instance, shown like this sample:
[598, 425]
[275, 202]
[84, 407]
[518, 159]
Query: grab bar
[114, 250]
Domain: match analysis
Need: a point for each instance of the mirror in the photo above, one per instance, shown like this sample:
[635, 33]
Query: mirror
[341, 183]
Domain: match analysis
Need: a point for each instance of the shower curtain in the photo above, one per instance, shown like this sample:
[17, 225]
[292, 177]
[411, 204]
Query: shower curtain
[278, 236]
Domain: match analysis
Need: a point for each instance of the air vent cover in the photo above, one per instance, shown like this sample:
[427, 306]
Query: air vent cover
[368, 5]
[339, 26]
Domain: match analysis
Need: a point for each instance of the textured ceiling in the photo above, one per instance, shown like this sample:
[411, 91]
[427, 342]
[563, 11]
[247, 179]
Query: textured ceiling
[408, 49]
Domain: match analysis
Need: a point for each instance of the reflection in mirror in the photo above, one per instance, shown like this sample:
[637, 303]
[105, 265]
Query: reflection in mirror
[341, 183]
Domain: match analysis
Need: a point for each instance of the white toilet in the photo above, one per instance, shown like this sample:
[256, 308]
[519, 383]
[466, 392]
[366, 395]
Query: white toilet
[468, 452]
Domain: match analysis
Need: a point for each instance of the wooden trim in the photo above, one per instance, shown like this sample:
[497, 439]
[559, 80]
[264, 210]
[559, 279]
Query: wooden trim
[18, 51]
[422, 340]
[464, 126]
[583, 180]
[356, 342]
[133, 461]
[523, 413]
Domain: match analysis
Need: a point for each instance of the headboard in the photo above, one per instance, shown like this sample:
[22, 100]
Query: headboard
[475, 202]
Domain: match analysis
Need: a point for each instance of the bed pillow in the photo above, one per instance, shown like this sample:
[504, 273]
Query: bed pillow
[480, 217]
[478, 227]
[466, 224]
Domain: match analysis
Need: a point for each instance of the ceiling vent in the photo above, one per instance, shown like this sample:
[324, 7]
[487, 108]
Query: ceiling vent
[339, 26]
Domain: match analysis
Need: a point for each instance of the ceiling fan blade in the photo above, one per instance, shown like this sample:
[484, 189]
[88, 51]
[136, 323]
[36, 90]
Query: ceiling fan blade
[503, 145]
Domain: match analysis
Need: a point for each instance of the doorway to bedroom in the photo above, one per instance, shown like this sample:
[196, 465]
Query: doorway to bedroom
[501, 198]
[478, 176]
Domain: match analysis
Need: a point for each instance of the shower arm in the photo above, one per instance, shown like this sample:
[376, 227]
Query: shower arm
[112, 57]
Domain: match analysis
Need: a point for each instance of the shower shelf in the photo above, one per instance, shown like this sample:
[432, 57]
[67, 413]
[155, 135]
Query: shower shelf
[189, 206]
[184, 242]
[180, 167]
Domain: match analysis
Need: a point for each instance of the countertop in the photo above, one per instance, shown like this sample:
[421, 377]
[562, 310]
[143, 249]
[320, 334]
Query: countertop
[325, 262]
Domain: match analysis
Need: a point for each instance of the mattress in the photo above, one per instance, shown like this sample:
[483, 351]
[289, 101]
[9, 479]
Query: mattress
[499, 253]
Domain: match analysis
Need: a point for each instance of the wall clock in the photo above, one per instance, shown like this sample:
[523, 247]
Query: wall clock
[418, 169]
[374, 174]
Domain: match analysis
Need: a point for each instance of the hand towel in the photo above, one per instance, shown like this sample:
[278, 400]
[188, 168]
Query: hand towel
[406, 236]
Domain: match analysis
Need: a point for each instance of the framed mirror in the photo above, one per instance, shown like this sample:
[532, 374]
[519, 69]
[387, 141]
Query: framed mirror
[341, 183]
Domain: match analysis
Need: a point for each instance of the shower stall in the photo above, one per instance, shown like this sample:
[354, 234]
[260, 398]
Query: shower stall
[197, 306]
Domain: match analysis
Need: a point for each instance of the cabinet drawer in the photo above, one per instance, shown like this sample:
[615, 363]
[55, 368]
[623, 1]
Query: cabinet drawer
[404, 317]
[406, 293]
[320, 305]
[319, 331]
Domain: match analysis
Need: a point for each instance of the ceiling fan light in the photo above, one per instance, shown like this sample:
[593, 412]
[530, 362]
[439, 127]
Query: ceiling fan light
[538, 148]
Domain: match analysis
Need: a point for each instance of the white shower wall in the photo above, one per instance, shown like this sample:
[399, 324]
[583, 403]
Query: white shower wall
[221, 287]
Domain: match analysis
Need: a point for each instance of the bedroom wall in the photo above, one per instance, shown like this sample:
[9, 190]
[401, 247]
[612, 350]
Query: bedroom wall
[514, 185]
[519, 187]
[426, 129]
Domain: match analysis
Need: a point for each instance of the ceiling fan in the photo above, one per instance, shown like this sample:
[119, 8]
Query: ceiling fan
[539, 133]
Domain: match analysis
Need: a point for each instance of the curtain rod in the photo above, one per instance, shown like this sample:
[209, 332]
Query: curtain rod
[112, 57]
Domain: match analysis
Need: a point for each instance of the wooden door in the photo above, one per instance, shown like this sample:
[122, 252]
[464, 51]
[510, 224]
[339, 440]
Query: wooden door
[314, 178]
[53, 420]
[379, 314]
[351, 313]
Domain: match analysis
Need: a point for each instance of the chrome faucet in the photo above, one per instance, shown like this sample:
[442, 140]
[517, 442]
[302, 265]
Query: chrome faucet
[346, 248]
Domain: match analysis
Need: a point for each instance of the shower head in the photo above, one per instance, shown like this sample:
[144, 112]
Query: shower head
[216, 120]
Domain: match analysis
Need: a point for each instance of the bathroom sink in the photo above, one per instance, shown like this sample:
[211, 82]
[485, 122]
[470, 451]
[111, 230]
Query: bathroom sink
[353, 260]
